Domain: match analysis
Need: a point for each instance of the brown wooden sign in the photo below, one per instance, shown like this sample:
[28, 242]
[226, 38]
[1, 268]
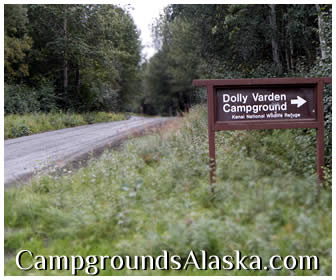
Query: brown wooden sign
[265, 104]
[272, 103]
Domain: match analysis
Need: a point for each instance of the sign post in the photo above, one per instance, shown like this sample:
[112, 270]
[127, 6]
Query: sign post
[275, 103]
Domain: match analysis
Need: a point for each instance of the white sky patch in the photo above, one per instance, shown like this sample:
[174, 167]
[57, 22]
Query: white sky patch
[144, 14]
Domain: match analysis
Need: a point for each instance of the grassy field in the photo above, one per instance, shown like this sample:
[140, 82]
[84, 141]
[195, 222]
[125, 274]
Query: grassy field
[23, 125]
[153, 194]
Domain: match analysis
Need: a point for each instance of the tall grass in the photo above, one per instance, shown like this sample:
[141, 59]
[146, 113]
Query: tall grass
[154, 195]
[31, 123]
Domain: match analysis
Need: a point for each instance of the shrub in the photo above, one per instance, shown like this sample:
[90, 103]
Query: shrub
[21, 99]
[47, 96]
[99, 97]
[20, 130]
[22, 125]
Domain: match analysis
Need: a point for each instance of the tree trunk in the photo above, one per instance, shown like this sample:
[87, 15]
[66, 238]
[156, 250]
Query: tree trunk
[275, 40]
[78, 80]
[287, 60]
[321, 24]
[65, 62]
[291, 48]
[309, 56]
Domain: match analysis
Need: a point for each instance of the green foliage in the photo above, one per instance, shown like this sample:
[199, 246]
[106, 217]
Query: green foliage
[328, 124]
[15, 53]
[96, 46]
[153, 194]
[232, 41]
[21, 99]
[47, 97]
[327, 178]
[90, 52]
[17, 42]
[19, 130]
[235, 41]
[158, 85]
[32, 123]
[100, 97]
[323, 68]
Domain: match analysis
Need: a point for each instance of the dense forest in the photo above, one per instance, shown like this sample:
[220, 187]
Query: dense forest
[70, 57]
[234, 41]
[88, 57]
[82, 58]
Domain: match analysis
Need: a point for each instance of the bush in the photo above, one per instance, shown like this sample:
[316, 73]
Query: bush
[99, 97]
[20, 130]
[21, 99]
[47, 96]
[22, 125]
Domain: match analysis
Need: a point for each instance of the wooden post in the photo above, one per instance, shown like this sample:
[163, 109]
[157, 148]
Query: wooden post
[211, 135]
[212, 161]
[320, 131]
[320, 152]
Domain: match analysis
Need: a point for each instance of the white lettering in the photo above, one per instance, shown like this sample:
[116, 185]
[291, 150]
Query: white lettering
[240, 261]
[59, 262]
[165, 260]
[102, 262]
[178, 264]
[74, 264]
[214, 264]
[144, 263]
[226, 98]
[113, 262]
[18, 259]
[129, 263]
[42, 264]
[255, 260]
[225, 260]
[91, 261]
[192, 262]
[308, 260]
[204, 259]
[226, 110]
[293, 261]
[272, 260]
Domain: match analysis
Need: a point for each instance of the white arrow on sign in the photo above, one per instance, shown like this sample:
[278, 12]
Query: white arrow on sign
[299, 101]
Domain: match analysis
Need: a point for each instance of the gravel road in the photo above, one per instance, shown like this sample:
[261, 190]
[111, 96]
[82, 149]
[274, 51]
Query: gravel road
[27, 155]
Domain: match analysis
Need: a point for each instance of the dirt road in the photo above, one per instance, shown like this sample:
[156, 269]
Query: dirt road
[27, 155]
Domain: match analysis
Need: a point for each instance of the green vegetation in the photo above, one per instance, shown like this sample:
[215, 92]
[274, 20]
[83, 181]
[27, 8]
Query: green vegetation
[88, 54]
[234, 41]
[87, 57]
[153, 194]
[31, 123]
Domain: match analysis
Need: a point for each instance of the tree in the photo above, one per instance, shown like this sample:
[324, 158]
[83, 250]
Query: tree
[275, 39]
[17, 43]
[158, 85]
[234, 41]
[92, 52]
[322, 32]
